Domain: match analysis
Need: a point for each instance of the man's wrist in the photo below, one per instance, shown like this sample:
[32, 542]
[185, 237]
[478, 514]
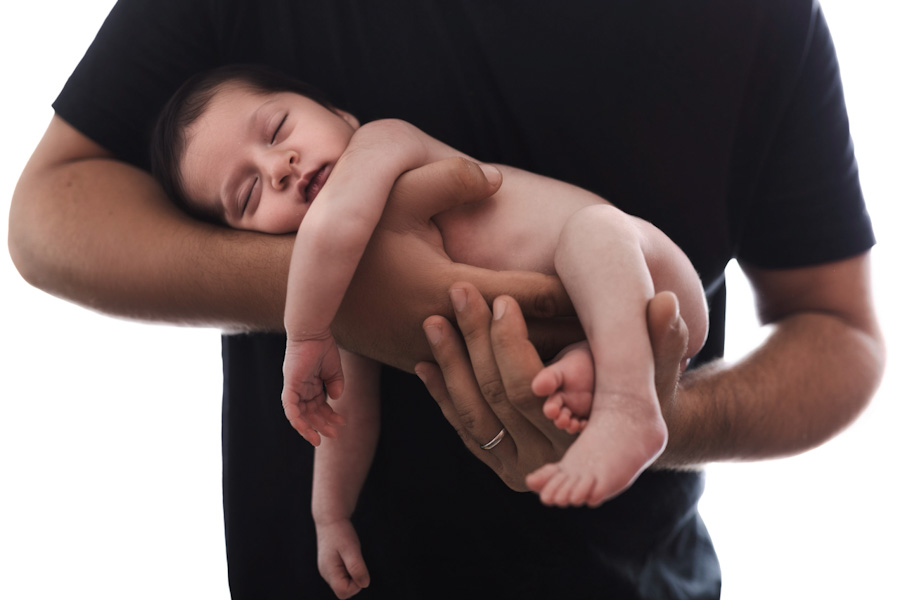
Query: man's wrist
[689, 416]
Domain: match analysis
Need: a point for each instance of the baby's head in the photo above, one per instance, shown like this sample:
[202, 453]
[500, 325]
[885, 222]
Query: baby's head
[248, 147]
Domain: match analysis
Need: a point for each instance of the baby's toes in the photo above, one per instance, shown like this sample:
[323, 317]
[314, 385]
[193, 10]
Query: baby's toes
[582, 490]
[563, 419]
[597, 496]
[563, 495]
[553, 485]
[546, 381]
[536, 480]
[552, 406]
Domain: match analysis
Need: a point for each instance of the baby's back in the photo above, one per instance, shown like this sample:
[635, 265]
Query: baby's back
[517, 228]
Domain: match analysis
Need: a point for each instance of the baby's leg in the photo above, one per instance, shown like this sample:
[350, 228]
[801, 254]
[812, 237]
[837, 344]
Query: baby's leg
[601, 263]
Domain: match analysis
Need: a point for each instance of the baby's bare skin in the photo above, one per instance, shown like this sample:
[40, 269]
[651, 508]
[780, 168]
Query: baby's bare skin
[318, 172]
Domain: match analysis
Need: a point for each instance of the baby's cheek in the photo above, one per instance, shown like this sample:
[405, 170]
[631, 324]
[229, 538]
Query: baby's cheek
[279, 222]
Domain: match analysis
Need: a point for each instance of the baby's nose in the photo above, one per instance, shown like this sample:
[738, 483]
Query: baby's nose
[282, 168]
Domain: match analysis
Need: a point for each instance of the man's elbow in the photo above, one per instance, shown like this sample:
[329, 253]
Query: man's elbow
[876, 355]
[864, 370]
[21, 250]
[30, 242]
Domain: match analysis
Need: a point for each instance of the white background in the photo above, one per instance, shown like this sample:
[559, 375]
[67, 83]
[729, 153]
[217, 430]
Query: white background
[109, 430]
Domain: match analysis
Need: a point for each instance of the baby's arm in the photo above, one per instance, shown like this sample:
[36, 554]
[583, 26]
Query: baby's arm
[330, 242]
[340, 471]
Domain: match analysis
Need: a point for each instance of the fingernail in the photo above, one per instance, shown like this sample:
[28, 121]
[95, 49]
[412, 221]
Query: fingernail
[420, 373]
[434, 334]
[458, 299]
[491, 173]
[499, 308]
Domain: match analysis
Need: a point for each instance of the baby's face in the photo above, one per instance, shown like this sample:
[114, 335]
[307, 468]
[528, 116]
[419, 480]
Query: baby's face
[260, 159]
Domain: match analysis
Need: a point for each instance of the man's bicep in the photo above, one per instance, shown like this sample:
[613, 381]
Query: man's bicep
[42, 188]
[61, 144]
[842, 289]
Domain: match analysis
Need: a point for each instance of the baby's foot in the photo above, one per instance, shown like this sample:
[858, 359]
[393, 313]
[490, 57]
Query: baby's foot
[568, 384]
[622, 438]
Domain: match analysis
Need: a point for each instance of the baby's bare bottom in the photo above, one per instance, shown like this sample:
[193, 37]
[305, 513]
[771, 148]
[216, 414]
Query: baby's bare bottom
[604, 388]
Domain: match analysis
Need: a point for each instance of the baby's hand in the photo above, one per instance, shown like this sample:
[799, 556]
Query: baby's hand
[340, 558]
[312, 368]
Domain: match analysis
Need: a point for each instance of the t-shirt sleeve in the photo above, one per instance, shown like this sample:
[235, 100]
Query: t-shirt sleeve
[808, 207]
[142, 53]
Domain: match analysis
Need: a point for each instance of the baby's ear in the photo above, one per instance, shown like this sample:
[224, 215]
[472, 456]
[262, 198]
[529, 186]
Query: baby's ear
[354, 122]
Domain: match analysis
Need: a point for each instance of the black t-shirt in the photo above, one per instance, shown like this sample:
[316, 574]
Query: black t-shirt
[723, 123]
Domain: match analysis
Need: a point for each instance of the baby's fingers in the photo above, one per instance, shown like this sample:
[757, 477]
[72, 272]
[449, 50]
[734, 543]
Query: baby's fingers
[321, 417]
[341, 583]
[355, 566]
[310, 419]
[300, 424]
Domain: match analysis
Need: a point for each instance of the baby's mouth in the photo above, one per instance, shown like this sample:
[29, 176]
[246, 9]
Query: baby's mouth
[317, 182]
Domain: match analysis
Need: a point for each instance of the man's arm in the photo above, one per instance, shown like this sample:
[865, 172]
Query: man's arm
[97, 232]
[809, 380]
[812, 376]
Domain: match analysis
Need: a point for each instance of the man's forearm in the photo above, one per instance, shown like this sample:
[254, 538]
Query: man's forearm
[804, 384]
[101, 234]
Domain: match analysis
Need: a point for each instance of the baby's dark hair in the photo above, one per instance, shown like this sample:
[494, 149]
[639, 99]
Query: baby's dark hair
[190, 102]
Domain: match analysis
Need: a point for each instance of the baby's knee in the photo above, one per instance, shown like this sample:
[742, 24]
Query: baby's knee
[590, 218]
[598, 228]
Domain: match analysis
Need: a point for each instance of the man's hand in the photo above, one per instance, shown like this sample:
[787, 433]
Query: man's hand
[405, 273]
[482, 380]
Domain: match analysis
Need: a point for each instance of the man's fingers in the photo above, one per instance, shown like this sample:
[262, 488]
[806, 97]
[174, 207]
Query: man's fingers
[474, 320]
[516, 356]
[456, 389]
[440, 186]
[538, 295]
[669, 339]
[519, 363]
[431, 376]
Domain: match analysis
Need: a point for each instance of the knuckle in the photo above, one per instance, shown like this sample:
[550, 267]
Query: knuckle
[493, 390]
[520, 396]
[463, 173]
[545, 305]
[475, 335]
[467, 421]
